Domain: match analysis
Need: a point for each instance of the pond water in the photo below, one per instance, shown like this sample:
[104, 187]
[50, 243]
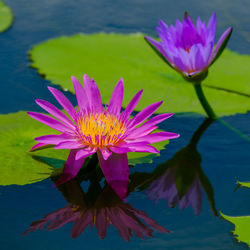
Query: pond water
[216, 157]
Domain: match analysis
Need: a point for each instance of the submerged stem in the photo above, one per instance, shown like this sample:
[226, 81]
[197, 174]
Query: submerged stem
[204, 102]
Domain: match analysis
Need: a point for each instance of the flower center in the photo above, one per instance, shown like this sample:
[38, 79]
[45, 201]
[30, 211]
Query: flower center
[99, 130]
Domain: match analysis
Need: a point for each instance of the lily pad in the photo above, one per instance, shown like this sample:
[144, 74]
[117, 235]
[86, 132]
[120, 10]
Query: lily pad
[18, 166]
[244, 184]
[6, 17]
[242, 225]
[108, 57]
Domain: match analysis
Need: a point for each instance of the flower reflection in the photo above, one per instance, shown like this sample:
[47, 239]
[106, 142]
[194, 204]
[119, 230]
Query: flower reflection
[99, 207]
[180, 180]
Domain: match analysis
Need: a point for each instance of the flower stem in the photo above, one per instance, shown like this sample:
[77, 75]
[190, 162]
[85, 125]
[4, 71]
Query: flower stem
[204, 102]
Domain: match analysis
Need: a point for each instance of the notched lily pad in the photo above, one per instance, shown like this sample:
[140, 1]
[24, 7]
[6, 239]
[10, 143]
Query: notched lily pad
[6, 17]
[242, 225]
[108, 57]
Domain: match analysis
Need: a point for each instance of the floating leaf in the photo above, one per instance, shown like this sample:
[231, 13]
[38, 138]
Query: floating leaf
[6, 17]
[244, 184]
[108, 57]
[242, 225]
[18, 166]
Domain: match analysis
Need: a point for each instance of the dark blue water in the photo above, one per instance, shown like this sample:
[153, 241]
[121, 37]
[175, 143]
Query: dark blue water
[225, 156]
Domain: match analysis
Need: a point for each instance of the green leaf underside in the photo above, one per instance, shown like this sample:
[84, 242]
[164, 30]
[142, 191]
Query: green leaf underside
[109, 57]
[242, 226]
[6, 17]
[20, 167]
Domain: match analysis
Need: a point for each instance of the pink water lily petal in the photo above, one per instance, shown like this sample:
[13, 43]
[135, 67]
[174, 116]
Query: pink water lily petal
[156, 137]
[144, 114]
[51, 122]
[81, 96]
[53, 139]
[55, 112]
[70, 144]
[149, 126]
[134, 147]
[115, 102]
[93, 93]
[83, 153]
[115, 170]
[40, 146]
[71, 168]
[129, 109]
[105, 153]
[65, 103]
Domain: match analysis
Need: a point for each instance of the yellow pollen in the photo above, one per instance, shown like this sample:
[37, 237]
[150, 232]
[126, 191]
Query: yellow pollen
[100, 130]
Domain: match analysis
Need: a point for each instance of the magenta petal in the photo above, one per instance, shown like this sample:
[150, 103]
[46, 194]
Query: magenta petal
[71, 168]
[135, 147]
[40, 146]
[148, 126]
[144, 114]
[81, 95]
[53, 139]
[129, 109]
[51, 122]
[116, 172]
[70, 145]
[115, 102]
[156, 137]
[221, 44]
[65, 103]
[55, 112]
[93, 93]
[83, 153]
[105, 153]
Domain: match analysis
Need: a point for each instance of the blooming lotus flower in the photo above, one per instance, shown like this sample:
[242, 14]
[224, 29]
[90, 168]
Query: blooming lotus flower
[188, 47]
[93, 128]
[107, 209]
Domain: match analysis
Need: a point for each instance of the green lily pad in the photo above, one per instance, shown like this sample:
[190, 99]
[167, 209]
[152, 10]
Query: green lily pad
[244, 184]
[242, 226]
[109, 57]
[18, 166]
[6, 17]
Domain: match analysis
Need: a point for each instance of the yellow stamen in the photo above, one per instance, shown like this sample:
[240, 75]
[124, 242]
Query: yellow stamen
[100, 130]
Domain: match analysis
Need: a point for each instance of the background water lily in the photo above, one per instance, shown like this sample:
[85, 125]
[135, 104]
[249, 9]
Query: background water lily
[189, 47]
[103, 130]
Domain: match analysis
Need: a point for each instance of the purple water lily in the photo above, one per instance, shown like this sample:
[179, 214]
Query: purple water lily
[188, 47]
[93, 128]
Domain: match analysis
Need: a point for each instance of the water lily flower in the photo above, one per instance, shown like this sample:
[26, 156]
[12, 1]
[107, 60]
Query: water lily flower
[106, 131]
[188, 47]
[107, 209]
